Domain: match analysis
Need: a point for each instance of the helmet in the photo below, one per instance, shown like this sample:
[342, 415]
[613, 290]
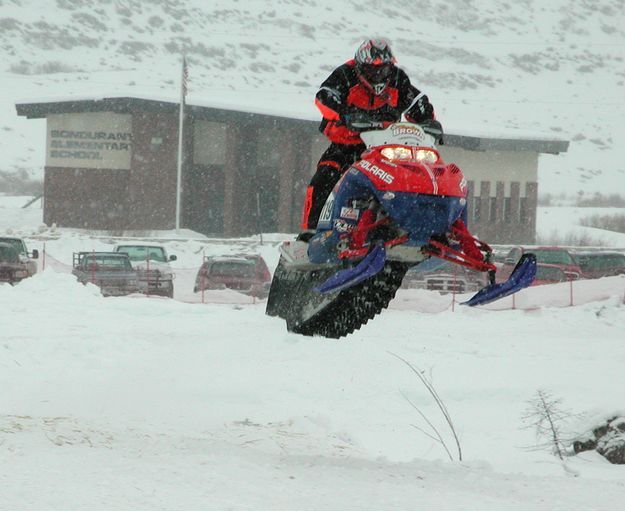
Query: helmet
[374, 60]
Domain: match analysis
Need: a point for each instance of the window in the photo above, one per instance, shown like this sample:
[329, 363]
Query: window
[492, 214]
[143, 253]
[209, 144]
[243, 269]
[510, 214]
[513, 256]
[524, 216]
[477, 209]
[17, 244]
[108, 262]
[8, 254]
[270, 147]
[550, 273]
[553, 256]
[507, 213]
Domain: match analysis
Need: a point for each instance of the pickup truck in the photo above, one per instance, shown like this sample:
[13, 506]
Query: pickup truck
[555, 256]
[110, 271]
[152, 265]
[12, 268]
[26, 258]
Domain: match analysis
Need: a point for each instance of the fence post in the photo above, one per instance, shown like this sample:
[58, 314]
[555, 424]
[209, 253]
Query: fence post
[513, 301]
[453, 290]
[147, 273]
[571, 291]
[202, 275]
[43, 262]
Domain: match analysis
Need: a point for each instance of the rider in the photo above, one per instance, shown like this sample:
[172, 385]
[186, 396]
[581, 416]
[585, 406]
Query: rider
[367, 88]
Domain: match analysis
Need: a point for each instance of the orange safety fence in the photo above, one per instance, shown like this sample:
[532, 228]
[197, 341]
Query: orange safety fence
[564, 294]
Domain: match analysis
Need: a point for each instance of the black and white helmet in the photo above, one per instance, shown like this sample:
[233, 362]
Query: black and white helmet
[375, 61]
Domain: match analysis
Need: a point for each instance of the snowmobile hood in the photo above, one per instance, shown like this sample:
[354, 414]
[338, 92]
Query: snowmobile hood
[422, 216]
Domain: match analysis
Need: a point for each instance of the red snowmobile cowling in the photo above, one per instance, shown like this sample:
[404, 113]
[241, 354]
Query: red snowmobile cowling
[392, 210]
[409, 175]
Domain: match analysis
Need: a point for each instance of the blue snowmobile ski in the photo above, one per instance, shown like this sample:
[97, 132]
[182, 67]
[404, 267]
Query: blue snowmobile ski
[522, 276]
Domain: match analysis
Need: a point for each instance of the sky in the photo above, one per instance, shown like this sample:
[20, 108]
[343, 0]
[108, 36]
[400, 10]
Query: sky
[489, 67]
[136, 403]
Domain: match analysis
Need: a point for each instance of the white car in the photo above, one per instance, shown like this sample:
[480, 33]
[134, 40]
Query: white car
[152, 264]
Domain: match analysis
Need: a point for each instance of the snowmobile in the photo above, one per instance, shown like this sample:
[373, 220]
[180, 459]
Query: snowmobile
[396, 207]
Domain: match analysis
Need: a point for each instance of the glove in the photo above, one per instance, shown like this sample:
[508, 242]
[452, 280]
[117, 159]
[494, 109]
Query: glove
[421, 110]
[361, 121]
[434, 128]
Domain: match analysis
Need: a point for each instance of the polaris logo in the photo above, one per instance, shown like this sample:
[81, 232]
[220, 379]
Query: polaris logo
[376, 171]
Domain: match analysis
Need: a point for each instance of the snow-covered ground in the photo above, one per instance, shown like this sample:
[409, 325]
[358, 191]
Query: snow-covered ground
[138, 403]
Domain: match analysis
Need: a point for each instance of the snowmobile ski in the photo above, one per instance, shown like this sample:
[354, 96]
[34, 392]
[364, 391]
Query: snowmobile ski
[371, 265]
[522, 276]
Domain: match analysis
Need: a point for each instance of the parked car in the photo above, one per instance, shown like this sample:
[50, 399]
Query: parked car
[26, 257]
[549, 274]
[111, 271]
[445, 277]
[246, 274]
[12, 268]
[153, 270]
[557, 256]
[595, 265]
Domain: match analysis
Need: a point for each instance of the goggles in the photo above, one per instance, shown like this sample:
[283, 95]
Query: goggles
[376, 73]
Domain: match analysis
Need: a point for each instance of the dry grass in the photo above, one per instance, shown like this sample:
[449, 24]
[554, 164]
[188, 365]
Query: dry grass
[614, 223]
[556, 238]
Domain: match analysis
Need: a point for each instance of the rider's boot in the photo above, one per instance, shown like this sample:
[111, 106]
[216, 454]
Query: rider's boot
[317, 193]
[305, 235]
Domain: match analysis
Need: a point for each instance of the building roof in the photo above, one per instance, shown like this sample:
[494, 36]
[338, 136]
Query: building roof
[42, 108]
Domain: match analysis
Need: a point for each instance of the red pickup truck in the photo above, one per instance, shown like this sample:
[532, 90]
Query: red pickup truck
[554, 256]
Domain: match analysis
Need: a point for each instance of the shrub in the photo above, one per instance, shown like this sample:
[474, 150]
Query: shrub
[608, 222]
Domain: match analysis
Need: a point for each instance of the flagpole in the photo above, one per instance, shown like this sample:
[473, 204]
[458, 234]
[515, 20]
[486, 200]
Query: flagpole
[183, 91]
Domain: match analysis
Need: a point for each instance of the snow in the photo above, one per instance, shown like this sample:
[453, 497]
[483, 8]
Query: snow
[563, 222]
[136, 403]
[203, 401]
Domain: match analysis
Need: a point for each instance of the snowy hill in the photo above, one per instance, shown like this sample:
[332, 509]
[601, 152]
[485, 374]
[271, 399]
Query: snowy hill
[548, 69]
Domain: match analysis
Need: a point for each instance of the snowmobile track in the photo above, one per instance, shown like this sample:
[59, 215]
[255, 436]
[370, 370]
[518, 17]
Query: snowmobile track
[336, 315]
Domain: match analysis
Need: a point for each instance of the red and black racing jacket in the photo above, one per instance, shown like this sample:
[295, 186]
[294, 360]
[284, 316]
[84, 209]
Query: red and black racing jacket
[344, 93]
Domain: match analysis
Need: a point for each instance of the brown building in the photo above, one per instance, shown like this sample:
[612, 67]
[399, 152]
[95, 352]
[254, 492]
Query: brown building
[111, 164]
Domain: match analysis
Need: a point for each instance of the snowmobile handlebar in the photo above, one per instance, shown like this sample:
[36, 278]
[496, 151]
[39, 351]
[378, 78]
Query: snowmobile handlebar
[362, 122]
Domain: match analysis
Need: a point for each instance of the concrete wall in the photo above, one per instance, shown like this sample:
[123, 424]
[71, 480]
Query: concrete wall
[503, 192]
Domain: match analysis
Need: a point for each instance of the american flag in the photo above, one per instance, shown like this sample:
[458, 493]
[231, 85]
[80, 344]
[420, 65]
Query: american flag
[185, 77]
